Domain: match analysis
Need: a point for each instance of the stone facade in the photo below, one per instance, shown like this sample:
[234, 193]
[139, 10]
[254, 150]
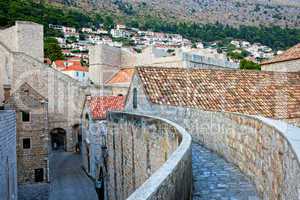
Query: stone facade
[138, 148]
[93, 139]
[21, 64]
[32, 134]
[260, 150]
[286, 66]
[8, 164]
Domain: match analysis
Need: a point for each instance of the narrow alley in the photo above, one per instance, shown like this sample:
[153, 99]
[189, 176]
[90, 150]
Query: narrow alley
[69, 181]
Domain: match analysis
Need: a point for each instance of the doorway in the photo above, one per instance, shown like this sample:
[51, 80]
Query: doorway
[58, 139]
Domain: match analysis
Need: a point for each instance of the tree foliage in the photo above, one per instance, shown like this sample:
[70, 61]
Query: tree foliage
[247, 64]
[52, 50]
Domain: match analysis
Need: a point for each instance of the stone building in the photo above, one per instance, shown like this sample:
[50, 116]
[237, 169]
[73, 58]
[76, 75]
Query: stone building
[94, 130]
[268, 94]
[288, 61]
[33, 144]
[120, 82]
[8, 164]
[20, 64]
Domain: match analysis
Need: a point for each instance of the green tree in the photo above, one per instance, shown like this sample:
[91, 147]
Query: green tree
[235, 55]
[52, 50]
[247, 64]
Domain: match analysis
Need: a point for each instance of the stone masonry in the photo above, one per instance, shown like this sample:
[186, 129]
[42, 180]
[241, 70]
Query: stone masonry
[287, 66]
[8, 164]
[20, 64]
[32, 134]
[138, 147]
[259, 150]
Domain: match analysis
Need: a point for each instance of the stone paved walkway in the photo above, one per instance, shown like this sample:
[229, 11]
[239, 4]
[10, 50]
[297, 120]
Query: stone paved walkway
[216, 179]
[33, 191]
[69, 180]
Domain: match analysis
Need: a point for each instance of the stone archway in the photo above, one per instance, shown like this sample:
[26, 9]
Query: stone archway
[58, 139]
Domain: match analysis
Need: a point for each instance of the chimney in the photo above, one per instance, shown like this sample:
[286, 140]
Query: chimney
[6, 88]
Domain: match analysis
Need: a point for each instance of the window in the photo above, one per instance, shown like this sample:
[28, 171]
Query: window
[134, 98]
[77, 73]
[25, 116]
[26, 143]
[83, 74]
[39, 175]
[26, 92]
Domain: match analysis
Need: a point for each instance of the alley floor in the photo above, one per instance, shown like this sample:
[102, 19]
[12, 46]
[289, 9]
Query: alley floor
[216, 179]
[69, 181]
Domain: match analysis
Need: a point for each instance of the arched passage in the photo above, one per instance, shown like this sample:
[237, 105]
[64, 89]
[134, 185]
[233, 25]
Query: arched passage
[58, 139]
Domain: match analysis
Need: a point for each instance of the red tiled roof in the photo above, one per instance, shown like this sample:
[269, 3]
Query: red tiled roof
[76, 68]
[290, 54]
[70, 65]
[122, 76]
[269, 94]
[101, 104]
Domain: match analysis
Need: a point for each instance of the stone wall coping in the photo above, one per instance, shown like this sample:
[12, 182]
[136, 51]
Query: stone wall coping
[153, 183]
[289, 132]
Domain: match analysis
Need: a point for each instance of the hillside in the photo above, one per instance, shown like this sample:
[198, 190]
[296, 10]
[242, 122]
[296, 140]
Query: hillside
[231, 12]
[40, 12]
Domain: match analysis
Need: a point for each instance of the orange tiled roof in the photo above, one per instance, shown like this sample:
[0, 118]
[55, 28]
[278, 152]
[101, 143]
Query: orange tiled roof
[269, 94]
[101, 104]
[122, 76]
[76, 68]
[70, 65]
[290, 54]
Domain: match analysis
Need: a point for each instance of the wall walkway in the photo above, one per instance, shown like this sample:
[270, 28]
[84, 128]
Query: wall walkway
[265, 153]
[214, 178]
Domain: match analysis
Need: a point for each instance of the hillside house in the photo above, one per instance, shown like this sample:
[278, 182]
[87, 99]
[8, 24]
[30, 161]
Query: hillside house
[72, 68]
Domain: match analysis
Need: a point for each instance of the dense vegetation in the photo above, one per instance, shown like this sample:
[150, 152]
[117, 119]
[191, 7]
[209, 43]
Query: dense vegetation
[11, 10]
[247, 64]
[52, 49]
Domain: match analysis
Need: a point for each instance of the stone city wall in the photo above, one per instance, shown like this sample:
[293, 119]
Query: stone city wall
[269, 156]
[149, 158]
[8, 164]
[198, 61]
[287, 66]
[23, 35]
[104, 61]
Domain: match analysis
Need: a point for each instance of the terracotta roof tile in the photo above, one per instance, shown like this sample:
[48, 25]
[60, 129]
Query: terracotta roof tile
[122, 76]
[99, 105]
[270, 94]
[76, 68]
[290, 54]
